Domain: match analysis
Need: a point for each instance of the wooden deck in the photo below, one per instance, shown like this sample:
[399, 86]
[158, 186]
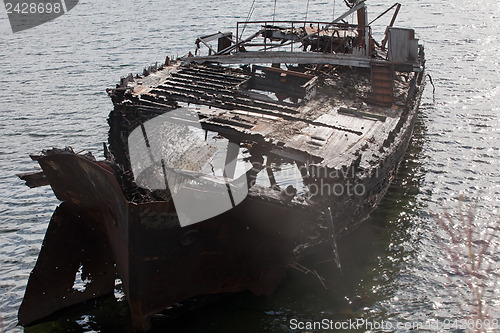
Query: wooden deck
[330, 130]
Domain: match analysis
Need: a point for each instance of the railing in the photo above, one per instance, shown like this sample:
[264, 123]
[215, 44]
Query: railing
[341, 30]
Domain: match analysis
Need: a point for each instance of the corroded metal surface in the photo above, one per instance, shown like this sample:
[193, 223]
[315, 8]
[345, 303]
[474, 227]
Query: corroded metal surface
[159, 262]
[246, 248]
[74, 265]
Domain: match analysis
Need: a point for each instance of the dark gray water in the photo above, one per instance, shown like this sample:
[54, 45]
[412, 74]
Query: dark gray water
[53, 80]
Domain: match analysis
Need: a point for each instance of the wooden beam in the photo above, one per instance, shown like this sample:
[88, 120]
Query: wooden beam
[269, 57]
[214, 75]
[359, 113]
[259, 57]
[286, 71]
[226, 95]
[219, 99]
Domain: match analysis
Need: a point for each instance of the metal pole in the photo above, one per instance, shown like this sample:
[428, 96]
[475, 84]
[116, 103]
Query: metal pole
[274, 12]
[333, 10]
[307, 10]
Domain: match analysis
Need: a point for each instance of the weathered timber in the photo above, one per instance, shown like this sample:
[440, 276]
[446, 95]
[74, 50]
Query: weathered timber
[194, 196]
[260, 57]
[224, 95]
[358, 113]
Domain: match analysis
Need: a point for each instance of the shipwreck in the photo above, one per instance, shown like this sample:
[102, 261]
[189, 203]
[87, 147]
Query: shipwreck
[224, 166]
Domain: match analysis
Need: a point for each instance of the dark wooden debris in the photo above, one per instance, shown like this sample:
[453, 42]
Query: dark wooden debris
[34, 179]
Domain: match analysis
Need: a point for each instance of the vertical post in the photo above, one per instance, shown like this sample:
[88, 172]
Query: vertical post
[270, 173]
[363, 36]
[237, 36]
[265, 36]
[367, 35]
[317, 36]
[367, 41]
[291, 47]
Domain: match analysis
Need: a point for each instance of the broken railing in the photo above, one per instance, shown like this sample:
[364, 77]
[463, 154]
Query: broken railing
[287, 34]
[290, 36]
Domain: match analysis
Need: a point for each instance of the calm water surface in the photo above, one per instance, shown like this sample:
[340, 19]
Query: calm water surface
[53, 80]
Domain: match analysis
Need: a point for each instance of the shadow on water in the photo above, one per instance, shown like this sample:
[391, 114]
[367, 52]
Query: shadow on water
[372, 258]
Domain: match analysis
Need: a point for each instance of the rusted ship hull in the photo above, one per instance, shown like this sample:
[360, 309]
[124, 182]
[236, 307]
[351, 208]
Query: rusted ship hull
[159, 263]
[246, 248]
[341, 115]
